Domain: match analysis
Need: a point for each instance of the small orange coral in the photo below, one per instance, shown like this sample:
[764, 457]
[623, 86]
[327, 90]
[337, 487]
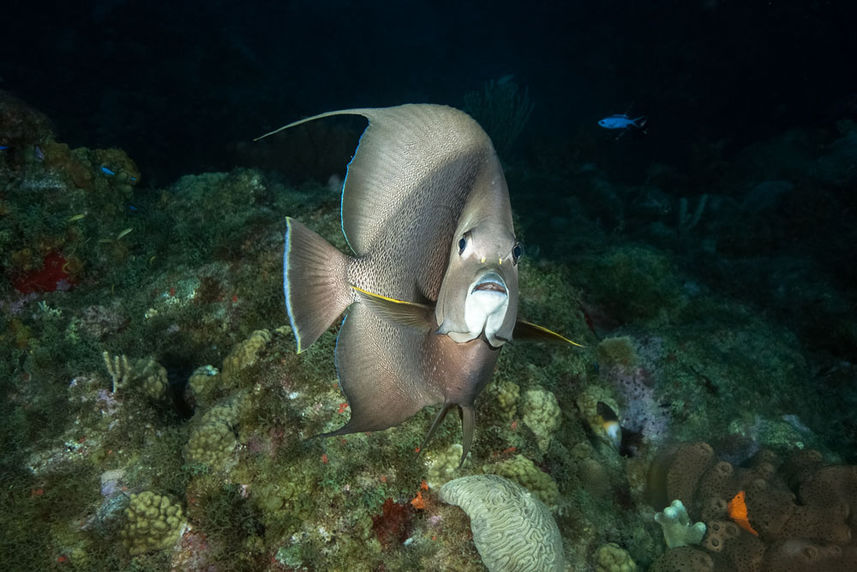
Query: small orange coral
[418, 502]
[738, 512]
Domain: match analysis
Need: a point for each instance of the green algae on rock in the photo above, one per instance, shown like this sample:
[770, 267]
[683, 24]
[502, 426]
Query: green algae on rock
[513, 530]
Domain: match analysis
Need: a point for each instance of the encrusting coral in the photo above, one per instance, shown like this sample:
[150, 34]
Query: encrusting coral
[507, 398]
[611, 557]
[524, 472]
[755, 521]
[244, 355]
[513, 531]
[214, 438]
[442, 465]
[154, 522]
[542, 415]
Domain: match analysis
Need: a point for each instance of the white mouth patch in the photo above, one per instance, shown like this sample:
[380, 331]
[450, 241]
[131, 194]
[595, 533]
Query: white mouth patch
[489, 283]
[485, 308]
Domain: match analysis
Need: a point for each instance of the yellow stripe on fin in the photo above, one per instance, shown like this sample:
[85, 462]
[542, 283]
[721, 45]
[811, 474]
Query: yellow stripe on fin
[401, 312]
[525, 330]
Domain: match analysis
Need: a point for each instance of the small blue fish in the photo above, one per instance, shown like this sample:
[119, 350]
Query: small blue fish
[107, 171]
[3, 147]
[622, 121]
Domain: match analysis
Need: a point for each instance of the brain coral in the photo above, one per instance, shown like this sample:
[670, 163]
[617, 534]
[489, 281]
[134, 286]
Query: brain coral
[513, 531]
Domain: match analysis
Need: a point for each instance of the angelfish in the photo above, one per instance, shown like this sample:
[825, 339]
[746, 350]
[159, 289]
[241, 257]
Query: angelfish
[431, 291]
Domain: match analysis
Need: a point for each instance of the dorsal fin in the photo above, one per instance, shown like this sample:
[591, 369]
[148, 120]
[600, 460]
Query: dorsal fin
[405, 152]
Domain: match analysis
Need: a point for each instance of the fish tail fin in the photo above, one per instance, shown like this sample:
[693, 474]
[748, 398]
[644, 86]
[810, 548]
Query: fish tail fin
[314, 281]
[640, 122]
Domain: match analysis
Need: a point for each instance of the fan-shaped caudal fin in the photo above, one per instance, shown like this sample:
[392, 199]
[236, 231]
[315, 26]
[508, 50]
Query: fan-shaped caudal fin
[314, 282]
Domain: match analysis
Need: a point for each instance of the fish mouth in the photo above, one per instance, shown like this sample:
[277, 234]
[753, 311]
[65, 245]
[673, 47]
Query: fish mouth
[491, 282]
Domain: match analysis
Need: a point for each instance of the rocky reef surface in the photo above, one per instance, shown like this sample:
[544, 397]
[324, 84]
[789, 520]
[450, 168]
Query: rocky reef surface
[155, 416]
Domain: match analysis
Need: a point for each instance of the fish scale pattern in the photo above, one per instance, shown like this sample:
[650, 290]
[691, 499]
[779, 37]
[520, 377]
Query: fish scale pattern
[513, 531]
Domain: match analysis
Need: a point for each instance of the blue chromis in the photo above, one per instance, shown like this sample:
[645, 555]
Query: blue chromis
[430, 292]
[623, 121]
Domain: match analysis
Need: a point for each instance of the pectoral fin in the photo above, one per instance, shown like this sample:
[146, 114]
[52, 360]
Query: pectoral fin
[525, 330]
[408, 314]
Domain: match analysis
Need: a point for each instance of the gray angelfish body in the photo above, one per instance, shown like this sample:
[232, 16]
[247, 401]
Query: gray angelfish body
[431, 291]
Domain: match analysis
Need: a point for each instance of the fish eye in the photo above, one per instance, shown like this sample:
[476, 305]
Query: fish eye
[462, 244]
[517, 252]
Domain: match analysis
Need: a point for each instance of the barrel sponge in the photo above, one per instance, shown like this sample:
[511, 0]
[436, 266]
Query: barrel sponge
[714, 508]
[824, 523]
[153, 522]
[769, 507]
[542, 415]
[676, 473]
[831, 486]
[512, 530]
[801, 465]
[683, 559]
[720, 532]
[744, 552]
[800, 555]
[524, 472]
[718, 482]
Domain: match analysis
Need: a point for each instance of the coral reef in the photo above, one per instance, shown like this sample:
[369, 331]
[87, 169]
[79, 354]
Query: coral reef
[611, 557]
[153, 522]
[601, 413]
[616, 352]
[213, 438]
[442, 466]
[512, 530]
[507, 393]
[524, 472]
[146, 375]
[542, 415]
[109, 286]
[678, 530]
[754, 519]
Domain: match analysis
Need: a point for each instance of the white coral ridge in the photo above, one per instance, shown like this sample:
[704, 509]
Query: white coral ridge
[513, 531]
[678, 531]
